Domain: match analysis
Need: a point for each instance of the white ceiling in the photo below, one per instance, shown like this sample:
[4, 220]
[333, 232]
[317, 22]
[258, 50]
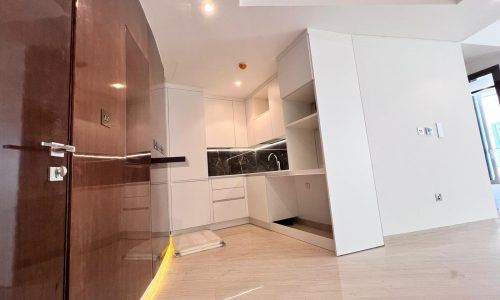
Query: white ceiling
[204, 51]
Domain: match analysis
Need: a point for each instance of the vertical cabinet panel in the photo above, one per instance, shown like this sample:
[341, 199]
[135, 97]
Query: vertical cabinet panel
[187, 134]
[294, 67]
[276, 110]
[190, 204]
[262, 130]
[353, 200]
[219, 122]
[257, 198]
[240, 124]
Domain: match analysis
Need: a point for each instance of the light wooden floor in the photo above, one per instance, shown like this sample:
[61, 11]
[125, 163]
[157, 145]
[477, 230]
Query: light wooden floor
[461, 262]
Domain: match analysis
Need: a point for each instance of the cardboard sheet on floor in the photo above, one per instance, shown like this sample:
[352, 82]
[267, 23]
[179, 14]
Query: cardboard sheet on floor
[194, 242]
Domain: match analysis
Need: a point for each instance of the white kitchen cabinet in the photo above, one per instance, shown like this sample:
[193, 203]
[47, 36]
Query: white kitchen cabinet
[262, 128]
[276, 110]
[257, 198]
[225, 122]
[159, 120]
[229, 201]
[230, 210]
[294, 67]
[191, 205]
[240, 124]
[219, 122]
[187, 134]
[159, 208]
[265, 115]
[227, 183]
[233, 193]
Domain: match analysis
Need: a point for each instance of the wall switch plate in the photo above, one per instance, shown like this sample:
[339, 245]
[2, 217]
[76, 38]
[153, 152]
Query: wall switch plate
[440, 130]
[429, 130]
[420, 131]
[439, 197]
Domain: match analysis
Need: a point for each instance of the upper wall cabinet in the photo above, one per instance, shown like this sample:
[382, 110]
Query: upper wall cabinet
[219, 123]
[265, 115]
[225, 122]
[276, 110]
[186, 123]
[294, 67]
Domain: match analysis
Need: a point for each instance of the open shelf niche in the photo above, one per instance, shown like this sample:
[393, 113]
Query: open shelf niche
[302, 129]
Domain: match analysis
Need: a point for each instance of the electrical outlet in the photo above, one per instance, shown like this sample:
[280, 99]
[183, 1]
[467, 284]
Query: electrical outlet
[308, 185]
[439, 197]
[420, 131]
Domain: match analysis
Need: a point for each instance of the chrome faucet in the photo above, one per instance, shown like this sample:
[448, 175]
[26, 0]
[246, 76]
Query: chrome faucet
[277, 161]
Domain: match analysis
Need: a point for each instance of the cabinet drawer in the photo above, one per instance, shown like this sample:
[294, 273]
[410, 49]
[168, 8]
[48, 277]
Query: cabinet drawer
[230, 210]
[227, 183]
[228, 194]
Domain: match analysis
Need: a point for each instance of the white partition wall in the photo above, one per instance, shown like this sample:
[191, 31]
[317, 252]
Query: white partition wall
[353, 199]
[407, 84]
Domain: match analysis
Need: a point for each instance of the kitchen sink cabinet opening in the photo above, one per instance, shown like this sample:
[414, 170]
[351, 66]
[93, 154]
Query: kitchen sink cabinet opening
[299, 207]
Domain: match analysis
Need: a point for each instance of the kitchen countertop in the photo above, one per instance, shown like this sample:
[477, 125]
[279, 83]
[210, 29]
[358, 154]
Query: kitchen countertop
[320, 171]
[268, 173]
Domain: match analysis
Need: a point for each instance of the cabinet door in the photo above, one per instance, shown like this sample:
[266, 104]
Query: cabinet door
[262, 128]
[190, 204]
[160, 216]
[276, 110]
[219, 122]
[257, 198]
[187, 134]
[294, 67]
[240, 124]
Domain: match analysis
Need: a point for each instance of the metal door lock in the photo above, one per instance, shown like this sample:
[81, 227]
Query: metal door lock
[57, 173]
[58, 149]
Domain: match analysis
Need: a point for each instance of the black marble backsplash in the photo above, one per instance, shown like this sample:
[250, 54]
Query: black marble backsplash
[235, 161]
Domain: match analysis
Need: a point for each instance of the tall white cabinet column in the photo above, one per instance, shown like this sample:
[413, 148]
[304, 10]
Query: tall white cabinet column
[190, 204]
[320, 69]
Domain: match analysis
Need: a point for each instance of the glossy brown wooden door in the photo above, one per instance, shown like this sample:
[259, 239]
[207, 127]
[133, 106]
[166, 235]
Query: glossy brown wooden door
[35, 51]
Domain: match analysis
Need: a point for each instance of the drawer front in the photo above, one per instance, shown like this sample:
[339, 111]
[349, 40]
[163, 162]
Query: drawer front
[230, 210]
[227, 183]
[225, 194]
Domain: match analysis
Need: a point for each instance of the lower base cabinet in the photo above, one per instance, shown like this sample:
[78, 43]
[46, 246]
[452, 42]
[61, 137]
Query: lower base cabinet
[230, 210]
[257, 198]
[190, 204]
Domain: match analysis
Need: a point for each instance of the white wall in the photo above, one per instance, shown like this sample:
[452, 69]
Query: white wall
[312, 199]
[482, 62]
[407, 84]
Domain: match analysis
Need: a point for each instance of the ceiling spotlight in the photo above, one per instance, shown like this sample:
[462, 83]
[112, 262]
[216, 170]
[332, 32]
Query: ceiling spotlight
[208, 7]
[117, 86]
[237, 83]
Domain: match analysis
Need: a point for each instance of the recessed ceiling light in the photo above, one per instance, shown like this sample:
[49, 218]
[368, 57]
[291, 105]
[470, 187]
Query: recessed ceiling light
[208, 7]
[237, 83]
[117, 86]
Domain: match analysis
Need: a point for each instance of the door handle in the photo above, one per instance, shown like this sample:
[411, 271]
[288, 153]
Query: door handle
[57, 173]
[58, 149]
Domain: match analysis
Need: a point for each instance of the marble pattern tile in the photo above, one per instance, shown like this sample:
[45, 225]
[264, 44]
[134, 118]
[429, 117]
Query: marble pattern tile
[233, 161]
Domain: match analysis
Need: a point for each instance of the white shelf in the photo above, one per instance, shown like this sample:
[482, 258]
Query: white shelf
[320, 171]
[309, 122]
[304, 93]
